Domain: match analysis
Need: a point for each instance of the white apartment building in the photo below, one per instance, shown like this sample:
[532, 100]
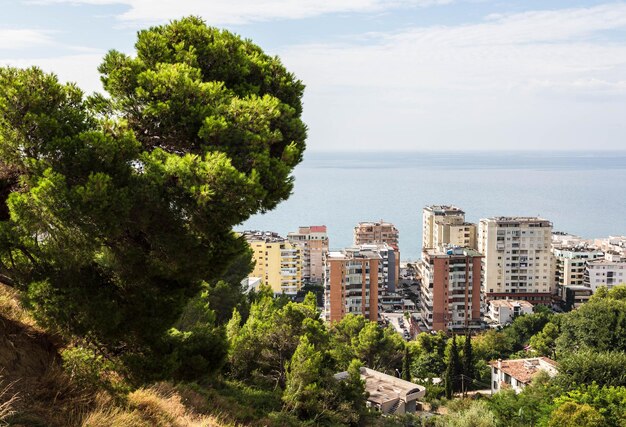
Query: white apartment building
[608, 271]
[503, 312]
[445, 225]
[517, 261]
[569, 266]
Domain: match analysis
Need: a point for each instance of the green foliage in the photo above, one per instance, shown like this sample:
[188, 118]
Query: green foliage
[115, 212]
[260, 348]
[85, 367]
[454, 369]
[544, 342]
[428, 355]
[610, 402]
[599, 324]
[571, 414]
[468, 358]
[474, 414]
[606, 368]
[378, 348]
[529, 407]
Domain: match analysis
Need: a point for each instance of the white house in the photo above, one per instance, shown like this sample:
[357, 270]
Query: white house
[518, 373]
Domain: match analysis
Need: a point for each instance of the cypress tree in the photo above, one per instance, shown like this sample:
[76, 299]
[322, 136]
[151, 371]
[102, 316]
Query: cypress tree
[454, 365]
[406, 364]
[468, 366]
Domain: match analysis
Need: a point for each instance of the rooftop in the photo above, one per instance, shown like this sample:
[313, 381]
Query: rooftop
[444, 210]
[384, 388]
[520, 219]
[510, 303]
[523, 370]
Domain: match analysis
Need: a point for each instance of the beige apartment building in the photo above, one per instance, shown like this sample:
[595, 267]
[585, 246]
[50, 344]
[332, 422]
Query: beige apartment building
[313, 243]
[372, 233]
[351, 282]
[517, 261]
[445, 225]
[278, 262]
[450, 292]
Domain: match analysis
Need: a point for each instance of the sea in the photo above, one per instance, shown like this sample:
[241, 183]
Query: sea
[582, 193]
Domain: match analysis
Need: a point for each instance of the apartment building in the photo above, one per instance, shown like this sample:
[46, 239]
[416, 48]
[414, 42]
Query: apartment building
[608, 271]
[353, 279]
[373, 233]
[445, 225]
[569, 266]
[313, 243]
[450, 298]
[278, 262]
[517, 261]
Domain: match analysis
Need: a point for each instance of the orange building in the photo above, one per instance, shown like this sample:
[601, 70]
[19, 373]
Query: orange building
[450, 289]
[351, 282]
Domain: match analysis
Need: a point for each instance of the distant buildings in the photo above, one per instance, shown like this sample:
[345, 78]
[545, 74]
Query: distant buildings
[612, 244]
[450, 298]
[278, 262]
[352, 278]
[369, 233]
[518, 373]
[608, 271]
[517, 260]
[445, 225]
[313, 243]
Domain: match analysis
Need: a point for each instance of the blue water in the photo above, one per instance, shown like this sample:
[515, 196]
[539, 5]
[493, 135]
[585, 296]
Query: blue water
[583, 193]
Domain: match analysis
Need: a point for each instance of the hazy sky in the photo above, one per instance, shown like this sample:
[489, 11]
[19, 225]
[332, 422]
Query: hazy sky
[385, 74]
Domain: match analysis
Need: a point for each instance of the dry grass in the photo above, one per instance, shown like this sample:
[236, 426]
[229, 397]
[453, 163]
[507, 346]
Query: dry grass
[8, 399]
[10, 307]
[158, 406]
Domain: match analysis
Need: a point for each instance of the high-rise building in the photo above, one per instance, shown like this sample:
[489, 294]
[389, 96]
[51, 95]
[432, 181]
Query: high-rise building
[517, 261]
[608, 271]
[450, 292]
[445, 225]
[373, 233]
[313, 243]
[278, 263]
[353, 279]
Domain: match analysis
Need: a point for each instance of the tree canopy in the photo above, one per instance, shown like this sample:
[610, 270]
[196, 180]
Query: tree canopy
[116, 210]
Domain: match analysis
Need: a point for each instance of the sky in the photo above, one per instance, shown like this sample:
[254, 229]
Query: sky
[385, 74]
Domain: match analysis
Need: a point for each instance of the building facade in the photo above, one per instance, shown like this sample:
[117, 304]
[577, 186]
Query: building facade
[278, 263]
[608, 271]
[375, 233]
[351, 283]
[444, 225]
[313, 243]
[450, 298]
[570, 263]
[502, 312]
[517, 261]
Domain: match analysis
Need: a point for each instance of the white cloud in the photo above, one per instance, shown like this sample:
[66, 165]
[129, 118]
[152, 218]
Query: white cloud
[221, 12]
[80, 69]
[22, 38]
[526, 80]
